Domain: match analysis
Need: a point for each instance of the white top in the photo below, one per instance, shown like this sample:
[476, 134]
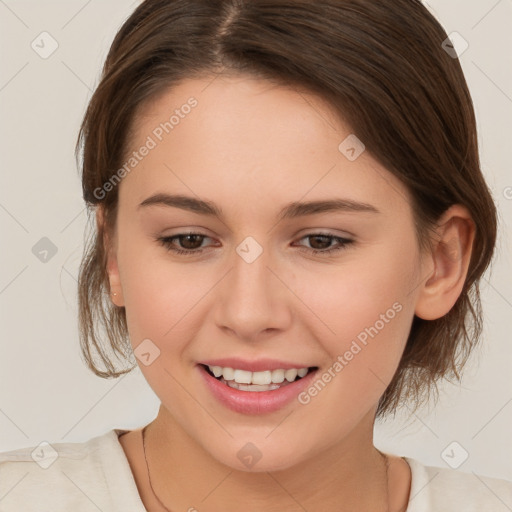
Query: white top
[95, 476]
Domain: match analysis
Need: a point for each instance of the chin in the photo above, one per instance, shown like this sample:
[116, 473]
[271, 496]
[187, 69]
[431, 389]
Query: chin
[252, 457]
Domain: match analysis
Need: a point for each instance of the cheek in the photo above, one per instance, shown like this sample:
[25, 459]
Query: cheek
[365, 307]
[163, 308]
[157, 294]
[352, 294]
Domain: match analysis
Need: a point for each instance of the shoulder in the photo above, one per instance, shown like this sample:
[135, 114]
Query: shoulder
[444, 490]
[65, 476]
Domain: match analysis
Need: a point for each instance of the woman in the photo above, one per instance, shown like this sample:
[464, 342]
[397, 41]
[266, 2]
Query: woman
[291, 228]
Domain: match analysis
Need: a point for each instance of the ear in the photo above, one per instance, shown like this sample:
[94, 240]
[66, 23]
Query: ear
[448, 263]
[110, 246]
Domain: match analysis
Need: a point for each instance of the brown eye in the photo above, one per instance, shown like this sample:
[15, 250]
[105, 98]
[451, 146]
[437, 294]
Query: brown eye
[183, 243]
[190, 242]
[321, 243]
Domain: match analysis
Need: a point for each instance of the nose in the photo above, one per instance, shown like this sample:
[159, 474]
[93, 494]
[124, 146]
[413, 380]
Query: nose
[253, 299]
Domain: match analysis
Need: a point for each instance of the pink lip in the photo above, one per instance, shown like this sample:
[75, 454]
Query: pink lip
[254, 366]
[254, 402]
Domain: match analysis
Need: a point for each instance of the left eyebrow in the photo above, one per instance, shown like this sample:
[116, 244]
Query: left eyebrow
[290, 211]
[298, 209]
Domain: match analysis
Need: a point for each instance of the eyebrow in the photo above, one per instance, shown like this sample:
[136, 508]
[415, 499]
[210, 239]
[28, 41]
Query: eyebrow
[290, 211]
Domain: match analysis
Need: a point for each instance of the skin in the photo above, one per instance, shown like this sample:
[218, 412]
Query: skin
[251, 147]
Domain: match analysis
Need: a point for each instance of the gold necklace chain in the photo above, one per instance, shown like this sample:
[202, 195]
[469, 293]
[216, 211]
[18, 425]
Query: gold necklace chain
[386, 461]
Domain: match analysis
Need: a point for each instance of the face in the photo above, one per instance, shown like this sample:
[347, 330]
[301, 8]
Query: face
[261, 281]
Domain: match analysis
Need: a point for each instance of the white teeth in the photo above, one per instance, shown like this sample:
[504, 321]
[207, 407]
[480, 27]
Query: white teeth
[278, 376]
[290, 375]
[228, 373]
[252, 387]
[263, 378]
[216, 370]
[302, 372]
[242, 377]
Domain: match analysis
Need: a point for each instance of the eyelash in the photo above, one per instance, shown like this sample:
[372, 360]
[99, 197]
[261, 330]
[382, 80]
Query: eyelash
[167, 243]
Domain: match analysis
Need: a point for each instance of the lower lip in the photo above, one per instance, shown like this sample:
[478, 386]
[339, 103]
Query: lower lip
[255, 402]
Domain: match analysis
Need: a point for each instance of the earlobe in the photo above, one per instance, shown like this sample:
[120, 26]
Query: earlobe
[116, 295]
[450, 258]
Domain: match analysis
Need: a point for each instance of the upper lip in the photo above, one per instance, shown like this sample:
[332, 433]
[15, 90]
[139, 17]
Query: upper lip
[254, 366]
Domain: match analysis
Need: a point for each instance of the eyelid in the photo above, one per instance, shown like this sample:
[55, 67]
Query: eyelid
[326, 232]
[183, 230]
[301, 234]
[340, 243]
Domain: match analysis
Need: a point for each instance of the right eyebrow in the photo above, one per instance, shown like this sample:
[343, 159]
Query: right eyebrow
[184, 202]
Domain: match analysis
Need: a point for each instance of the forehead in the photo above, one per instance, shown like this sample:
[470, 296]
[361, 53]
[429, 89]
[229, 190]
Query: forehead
[267, 142]
[238, 109]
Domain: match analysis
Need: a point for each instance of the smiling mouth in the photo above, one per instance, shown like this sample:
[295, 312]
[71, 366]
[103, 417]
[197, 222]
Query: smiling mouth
[245, 386]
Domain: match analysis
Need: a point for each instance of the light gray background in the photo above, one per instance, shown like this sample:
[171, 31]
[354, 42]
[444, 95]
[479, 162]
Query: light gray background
[46, 392]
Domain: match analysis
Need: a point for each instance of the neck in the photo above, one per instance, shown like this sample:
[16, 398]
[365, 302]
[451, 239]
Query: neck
[348, 476]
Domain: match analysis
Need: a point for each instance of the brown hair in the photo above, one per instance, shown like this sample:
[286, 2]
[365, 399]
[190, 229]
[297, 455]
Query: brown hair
[382, 67]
